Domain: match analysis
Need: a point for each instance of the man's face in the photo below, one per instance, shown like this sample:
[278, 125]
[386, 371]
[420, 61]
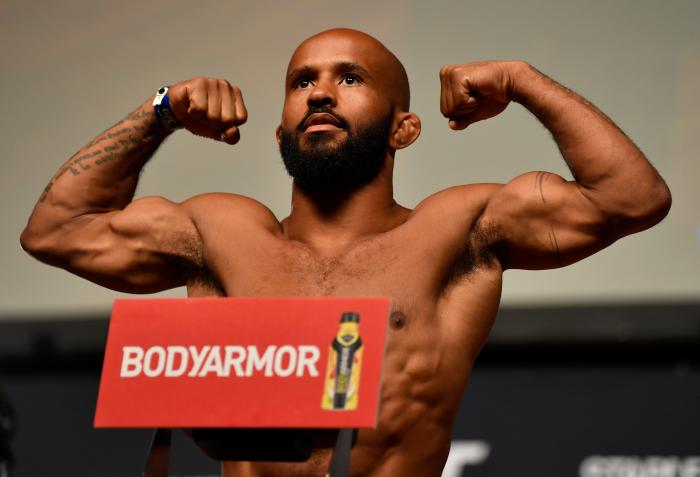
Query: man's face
[336, 121]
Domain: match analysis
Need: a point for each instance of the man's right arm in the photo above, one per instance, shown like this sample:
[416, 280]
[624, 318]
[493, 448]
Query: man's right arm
[85, 220]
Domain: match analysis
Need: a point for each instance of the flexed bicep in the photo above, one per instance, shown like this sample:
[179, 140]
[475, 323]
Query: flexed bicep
[545, 221]
[150, 245]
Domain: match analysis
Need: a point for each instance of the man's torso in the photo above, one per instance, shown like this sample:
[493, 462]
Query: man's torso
[445, 287]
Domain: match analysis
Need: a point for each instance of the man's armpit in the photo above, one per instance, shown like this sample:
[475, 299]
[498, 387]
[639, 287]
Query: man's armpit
[155, 229]
[483, 247]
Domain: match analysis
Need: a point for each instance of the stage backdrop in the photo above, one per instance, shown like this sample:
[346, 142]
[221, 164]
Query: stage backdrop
[71, 68]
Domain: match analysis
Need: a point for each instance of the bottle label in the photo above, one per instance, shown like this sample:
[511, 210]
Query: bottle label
[342, 381]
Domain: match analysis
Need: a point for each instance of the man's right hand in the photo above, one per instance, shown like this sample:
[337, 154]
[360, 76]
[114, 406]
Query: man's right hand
[209, 107]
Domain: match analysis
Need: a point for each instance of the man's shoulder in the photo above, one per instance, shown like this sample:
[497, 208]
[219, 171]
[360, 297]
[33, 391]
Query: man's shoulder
[222, 208]
[451, 221]
[454, 215]
[468, 199]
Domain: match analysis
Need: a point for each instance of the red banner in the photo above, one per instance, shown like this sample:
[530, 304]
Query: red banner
[243, 362]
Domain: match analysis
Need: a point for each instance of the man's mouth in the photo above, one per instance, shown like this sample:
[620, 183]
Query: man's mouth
[321, 122]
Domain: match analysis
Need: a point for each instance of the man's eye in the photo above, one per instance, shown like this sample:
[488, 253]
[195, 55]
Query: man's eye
[350, 79]
[303, 83]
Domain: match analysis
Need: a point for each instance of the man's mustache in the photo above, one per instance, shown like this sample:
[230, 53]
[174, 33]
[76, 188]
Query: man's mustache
[324, 110]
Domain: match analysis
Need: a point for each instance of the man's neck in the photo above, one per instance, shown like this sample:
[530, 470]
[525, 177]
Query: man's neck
[329, 222]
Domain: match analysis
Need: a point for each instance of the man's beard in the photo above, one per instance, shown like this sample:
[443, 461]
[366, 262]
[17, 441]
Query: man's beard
[326, 166]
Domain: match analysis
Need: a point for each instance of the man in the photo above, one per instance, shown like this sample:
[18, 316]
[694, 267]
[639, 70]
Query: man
[346, 113]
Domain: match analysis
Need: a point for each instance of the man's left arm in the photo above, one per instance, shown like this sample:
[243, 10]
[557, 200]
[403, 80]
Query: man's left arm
[542, 220]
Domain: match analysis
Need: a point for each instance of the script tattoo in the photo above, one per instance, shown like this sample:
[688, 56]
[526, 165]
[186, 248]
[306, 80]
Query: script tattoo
[135, 137]
[140, 114]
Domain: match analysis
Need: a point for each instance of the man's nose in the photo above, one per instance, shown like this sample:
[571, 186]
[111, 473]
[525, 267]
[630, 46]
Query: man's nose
[322, 94]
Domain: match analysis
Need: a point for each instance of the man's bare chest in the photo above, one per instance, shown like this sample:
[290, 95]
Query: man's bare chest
[431, 309]
[273, 267]
[426, 273]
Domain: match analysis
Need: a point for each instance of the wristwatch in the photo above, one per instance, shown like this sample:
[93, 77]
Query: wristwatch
[161, 105]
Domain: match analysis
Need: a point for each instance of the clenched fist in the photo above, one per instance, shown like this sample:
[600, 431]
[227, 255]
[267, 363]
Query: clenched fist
[475, 91]
[209, 107]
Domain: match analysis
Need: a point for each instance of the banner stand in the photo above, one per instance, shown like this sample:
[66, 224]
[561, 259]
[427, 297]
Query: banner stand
[340, 460]
[158, 459]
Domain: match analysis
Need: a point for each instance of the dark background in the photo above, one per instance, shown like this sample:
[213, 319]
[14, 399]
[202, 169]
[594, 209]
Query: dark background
[553, 387]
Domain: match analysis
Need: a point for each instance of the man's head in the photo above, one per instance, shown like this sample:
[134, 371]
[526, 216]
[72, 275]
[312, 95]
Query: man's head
[345, 111]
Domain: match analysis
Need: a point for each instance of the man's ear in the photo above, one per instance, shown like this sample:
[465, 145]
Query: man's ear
[278, 134]
[407, 130]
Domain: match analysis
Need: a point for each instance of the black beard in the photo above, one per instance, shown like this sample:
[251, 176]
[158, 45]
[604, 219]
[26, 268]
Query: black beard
[342, 168]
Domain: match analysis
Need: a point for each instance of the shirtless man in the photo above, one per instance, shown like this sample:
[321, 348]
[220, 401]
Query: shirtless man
[346, 112]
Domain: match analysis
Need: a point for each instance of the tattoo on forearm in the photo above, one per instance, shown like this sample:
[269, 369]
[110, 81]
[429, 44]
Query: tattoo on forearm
[131, 137]
[140, 114]
[555, 246]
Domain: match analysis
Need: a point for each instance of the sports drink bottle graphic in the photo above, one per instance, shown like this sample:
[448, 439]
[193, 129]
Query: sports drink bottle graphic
[344, 365]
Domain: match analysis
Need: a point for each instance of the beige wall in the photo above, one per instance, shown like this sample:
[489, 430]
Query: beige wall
[69, 69]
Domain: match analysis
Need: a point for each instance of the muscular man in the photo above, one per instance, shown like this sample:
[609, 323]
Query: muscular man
[346, 113]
